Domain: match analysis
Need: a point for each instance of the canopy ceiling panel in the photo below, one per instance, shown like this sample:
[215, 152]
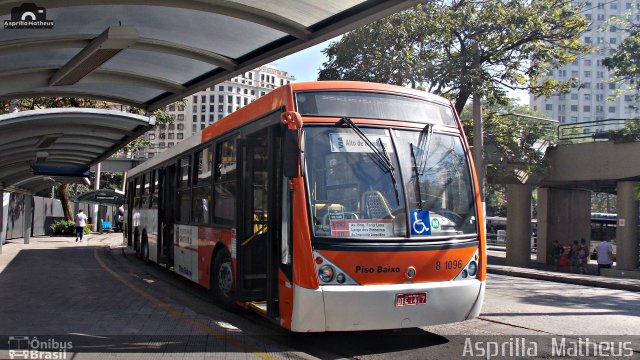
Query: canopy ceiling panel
[62, 141]
[149, 53]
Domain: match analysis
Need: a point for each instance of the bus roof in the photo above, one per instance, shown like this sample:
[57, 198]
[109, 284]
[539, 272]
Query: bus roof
[278, 98]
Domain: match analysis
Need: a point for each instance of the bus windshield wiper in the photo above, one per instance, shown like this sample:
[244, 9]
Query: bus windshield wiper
[391, 170]
[419, 168]
[383, 157]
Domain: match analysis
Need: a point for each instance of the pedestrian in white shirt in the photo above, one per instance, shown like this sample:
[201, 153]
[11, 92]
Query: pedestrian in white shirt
[605, 255]
[81, 222]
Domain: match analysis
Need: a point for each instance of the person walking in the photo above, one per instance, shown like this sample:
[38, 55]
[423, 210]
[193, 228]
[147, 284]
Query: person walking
[605, 255]
[583, 254]
[556, 252]
[81, 222]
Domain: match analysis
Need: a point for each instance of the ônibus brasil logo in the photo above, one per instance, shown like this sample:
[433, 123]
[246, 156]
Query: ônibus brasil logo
[28, 16]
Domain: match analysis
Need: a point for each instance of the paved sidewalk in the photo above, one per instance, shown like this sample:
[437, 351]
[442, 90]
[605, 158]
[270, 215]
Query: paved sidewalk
[106, 304]
[543, 272]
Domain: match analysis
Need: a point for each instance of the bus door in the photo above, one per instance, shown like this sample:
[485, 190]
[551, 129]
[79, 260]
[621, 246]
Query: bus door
[166, 213]
[254, 246]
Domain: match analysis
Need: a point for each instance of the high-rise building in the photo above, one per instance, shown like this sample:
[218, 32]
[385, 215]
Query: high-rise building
[210, 105]
[589, 101]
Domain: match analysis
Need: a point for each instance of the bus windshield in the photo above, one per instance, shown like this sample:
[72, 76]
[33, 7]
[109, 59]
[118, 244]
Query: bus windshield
[353, 195]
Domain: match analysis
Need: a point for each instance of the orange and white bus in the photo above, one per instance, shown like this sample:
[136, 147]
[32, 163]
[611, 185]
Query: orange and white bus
[325, 206]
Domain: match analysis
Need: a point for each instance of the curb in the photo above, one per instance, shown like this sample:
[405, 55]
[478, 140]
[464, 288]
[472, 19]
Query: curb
[562, 279]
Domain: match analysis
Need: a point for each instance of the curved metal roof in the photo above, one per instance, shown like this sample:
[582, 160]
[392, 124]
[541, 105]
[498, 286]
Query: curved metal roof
[102, 196]
[60, 144]
[149, 53]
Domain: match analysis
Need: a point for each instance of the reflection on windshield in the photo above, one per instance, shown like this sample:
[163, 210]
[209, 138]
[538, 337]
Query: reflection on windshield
[439, 186]
[351, 194]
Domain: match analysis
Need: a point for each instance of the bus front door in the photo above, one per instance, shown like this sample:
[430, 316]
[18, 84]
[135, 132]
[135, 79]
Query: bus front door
[166, 214]
[255, 202]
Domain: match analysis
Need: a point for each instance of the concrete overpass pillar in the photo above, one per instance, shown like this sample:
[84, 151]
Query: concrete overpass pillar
[563, 215]
[626, 230]
[28, 216]
[4, 211]
[94, 207]
[518, 225]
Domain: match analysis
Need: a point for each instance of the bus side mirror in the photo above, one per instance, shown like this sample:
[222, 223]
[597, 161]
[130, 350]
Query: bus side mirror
[291, 153]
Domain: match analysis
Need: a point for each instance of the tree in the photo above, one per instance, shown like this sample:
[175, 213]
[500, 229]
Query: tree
[458, 48]
[625, 61]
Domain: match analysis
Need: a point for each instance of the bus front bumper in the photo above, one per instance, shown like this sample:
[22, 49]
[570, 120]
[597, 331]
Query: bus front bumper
[371, 307]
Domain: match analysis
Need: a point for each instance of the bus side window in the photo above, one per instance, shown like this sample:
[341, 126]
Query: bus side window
[184, 191]
[202, 187]
[225, 183]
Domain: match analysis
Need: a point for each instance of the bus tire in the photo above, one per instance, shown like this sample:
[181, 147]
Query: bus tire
[222, 280]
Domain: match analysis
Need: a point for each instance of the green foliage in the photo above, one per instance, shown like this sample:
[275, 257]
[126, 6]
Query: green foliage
[66, 227]
[512, 143]
[630, 132]
[625, 61]
[496, 199]
[458, 48]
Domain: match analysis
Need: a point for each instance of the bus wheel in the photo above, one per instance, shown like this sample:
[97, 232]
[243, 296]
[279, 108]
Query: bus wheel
[222, 281]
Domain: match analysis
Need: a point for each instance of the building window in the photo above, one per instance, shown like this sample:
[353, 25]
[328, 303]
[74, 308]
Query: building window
[152, 136]
[587, 62]
[162, 145]
[194, 128]
[180, 127]
[203, 99]
[587, 39]
[195, 108]
[211, 118]
[172, 107]
[162, 136]
[170, 144]
[587, 74]
[586, 108]
[220, 99]
[180, 117]
[202, 126]
[612, 109]
[587, 96]
[613, 41]
[170, 136]
[195, 99]
[195, 117]
[612, 86]
[229, 109]
[220, 88]
[548, 107]
[180, 136]
[203, 117]
[574, 96]
[212, 98]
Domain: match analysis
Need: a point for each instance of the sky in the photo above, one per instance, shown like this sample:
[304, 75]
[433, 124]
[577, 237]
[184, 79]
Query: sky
[305, 64]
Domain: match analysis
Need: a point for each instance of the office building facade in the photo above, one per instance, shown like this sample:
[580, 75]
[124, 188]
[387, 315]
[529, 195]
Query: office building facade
[210, 105]
[590, 101]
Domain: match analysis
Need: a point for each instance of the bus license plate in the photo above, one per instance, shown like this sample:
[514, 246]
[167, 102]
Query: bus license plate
[411, 299]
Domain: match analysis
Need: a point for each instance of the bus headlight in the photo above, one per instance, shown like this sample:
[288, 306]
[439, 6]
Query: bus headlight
[340, 278]
[325, 273]
[472, 269]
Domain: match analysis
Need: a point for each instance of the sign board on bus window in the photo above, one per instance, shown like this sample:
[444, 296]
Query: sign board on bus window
[362, 228]
[352, 143]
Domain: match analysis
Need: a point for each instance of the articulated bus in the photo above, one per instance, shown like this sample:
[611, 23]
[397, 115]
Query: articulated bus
[324, 206]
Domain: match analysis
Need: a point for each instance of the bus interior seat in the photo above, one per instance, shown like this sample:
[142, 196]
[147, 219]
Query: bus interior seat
[375, 206]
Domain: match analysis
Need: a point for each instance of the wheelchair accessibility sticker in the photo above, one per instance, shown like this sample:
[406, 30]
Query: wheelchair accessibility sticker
[420, 222]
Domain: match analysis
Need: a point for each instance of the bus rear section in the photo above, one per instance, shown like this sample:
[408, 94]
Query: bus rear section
[393, 221]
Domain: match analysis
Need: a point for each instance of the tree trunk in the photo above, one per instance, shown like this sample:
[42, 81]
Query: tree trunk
[63, 195]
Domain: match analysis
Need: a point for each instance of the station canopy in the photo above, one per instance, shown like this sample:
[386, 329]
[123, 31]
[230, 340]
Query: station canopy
[150, 53]
[40, 148]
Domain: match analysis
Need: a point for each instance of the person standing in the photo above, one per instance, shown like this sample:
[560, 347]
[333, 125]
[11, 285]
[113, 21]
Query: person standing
[605, 255]
[573, 256]
[583, 254]
[556, 252]
[81, 222]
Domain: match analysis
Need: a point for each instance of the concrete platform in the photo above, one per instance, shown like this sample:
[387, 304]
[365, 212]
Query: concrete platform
[104, 303]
